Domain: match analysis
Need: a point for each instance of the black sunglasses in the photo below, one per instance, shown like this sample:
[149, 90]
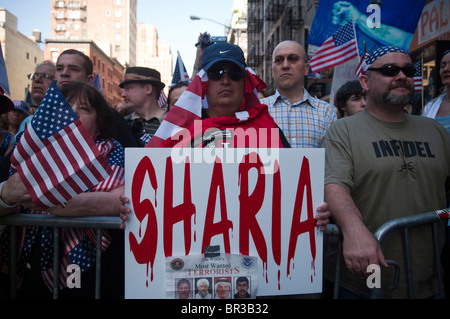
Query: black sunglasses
[393, 70]
[235, 74]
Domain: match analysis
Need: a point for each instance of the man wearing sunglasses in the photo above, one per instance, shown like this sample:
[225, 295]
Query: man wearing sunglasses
[383, 164]
[221, 105]
[222, 98]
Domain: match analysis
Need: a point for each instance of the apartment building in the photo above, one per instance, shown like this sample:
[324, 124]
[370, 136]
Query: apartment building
[154, 53]
[111, 24]
[21, 54]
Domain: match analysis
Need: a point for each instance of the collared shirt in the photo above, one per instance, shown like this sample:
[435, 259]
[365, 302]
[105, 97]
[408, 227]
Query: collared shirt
[303, 123]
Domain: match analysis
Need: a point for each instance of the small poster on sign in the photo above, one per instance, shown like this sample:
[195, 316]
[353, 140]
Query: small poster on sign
[226, 276]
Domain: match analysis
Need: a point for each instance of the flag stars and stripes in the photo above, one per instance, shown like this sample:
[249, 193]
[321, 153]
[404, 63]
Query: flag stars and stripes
[340, 47]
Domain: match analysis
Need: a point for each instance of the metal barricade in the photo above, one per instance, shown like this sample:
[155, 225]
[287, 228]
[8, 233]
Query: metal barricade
[403, 223]
[100, 222]
[56, 222]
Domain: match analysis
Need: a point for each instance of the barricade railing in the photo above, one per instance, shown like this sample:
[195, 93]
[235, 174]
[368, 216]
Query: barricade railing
[100, 222]
[403, 223]
[56, 222]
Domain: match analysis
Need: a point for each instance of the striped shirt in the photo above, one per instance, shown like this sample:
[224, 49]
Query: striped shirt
[303, 123]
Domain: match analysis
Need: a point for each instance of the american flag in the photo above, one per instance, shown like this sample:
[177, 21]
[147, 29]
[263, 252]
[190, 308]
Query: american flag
[162, 101]
[362, 63]
[180, 74]
[337, 49]
[55, 157]
[418, 76]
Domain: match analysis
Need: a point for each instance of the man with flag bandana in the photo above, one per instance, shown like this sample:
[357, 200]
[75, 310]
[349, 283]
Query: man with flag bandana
[381, 164]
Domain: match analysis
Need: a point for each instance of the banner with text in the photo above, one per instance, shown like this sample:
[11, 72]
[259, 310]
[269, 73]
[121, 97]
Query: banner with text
[250, 202]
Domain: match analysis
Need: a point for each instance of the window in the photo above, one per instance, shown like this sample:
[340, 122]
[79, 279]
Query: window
[76, 15]
[60, 27]
[60, 4]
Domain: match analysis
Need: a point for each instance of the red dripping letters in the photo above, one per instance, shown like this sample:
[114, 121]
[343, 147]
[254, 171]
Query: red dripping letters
[250, 203]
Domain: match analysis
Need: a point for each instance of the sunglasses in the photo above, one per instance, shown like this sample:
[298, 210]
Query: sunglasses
[235, 74]
[393, 70]
[35, 76]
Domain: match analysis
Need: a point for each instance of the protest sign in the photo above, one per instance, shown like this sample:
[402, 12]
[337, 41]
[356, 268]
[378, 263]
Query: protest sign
[250, 202]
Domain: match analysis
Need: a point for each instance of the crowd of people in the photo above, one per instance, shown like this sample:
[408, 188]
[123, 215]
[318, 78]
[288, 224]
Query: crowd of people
[380, 162]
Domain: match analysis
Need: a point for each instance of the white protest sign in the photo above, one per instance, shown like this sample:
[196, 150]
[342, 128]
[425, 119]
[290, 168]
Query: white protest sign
[255, 202]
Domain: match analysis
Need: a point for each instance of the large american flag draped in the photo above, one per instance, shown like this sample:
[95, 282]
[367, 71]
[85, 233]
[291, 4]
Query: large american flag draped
[189, 106]
[56, 158]
[337, 49]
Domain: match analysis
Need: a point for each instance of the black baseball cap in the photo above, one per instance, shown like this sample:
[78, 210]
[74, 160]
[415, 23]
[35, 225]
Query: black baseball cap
[223, 51]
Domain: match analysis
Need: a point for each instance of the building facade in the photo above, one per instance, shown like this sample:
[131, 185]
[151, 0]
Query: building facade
[237, 33]
[270, 22]
[21, 55]
[430, 41]
[110, 23]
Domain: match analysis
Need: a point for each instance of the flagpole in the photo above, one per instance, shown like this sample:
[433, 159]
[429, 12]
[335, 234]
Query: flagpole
[356, 38]
[421, 74]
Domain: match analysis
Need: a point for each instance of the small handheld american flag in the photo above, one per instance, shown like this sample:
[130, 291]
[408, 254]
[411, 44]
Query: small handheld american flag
[337, 49]
[56, 158]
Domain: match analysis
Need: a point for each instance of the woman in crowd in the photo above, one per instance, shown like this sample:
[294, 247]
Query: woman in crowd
[36, 250]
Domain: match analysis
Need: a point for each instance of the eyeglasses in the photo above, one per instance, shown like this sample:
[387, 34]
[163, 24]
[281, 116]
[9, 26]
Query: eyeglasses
[235, 74]
[393, 70]
[46, 76]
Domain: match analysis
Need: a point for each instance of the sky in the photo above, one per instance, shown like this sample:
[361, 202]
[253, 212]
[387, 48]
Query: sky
[171, 18]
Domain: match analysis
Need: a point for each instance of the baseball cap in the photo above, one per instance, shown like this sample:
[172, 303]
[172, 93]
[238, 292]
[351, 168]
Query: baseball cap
[223, 51]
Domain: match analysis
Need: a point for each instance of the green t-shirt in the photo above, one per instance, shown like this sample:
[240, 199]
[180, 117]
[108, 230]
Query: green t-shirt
[391, 170]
